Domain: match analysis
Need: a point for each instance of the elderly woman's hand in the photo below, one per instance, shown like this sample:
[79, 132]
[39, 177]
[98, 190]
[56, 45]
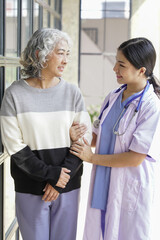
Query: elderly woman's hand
[50, 194]
[64, 178]
[77, 130]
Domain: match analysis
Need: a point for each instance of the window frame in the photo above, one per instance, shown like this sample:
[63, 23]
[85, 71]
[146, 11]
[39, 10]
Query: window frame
[5, 62]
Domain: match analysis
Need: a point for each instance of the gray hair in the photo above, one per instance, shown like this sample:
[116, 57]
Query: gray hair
[44, 40]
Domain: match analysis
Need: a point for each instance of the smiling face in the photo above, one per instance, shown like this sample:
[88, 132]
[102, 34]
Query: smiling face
[57, 60]
[126, 73]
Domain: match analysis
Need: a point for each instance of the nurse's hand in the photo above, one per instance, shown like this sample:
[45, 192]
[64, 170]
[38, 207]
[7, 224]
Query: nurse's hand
[77, 130]
[50, 194]
[82, 150]
[64, 178]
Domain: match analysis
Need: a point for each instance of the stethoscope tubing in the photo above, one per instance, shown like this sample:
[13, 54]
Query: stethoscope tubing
[141, 95]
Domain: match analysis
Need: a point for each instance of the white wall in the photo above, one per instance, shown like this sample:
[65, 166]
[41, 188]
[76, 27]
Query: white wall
[145, 22]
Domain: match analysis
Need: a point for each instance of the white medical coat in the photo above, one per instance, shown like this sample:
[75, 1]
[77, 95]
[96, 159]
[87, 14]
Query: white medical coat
[132, 189]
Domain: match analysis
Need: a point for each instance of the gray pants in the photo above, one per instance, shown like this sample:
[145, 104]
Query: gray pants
[39, 220]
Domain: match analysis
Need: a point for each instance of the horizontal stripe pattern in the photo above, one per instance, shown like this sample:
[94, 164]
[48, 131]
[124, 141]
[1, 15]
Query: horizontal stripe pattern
[35, 132]
[22, 98]
[42, 167]
[39, 130]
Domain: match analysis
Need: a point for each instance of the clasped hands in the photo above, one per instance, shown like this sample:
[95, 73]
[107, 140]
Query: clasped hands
[76, 131]
[51, 194]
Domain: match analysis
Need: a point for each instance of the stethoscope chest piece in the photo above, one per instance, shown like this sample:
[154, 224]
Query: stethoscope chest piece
[96, 123]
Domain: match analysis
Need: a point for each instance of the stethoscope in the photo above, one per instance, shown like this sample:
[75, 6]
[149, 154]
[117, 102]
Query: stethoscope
[141, 95]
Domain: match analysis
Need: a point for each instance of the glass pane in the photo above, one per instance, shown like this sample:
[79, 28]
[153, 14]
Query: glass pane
[105, 9]
[58, 6]
[40, 20]
[57, 23]
[1, 82]
[91, 9]
[45, 18]
[36, 16]
[10, 75]
[92, 35]
[118, 9]
[26, 11]
[52, 3]
[1, 204]
[49, 15]
[49, 19]
[1, 95]
[52, 23]
[9, 196]
[90, 5]
[11, 28]
[0, 145]
[1, 28]
[112, 37]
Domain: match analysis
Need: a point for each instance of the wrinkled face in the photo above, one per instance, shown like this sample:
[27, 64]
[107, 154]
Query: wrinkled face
[125, 71]
[58, 59]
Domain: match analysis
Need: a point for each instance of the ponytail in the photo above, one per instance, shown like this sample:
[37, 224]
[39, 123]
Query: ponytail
[156, 84]
[140, 52]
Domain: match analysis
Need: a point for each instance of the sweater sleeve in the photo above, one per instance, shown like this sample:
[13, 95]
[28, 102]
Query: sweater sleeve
[21, 154]
[72, 162]
[81, 115]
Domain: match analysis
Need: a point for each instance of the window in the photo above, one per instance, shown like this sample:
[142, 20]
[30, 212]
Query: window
[105, 9]
[58, 10]
[92, 33]
[18, 20]
[27, 22]
[36, 16]
[11, 28]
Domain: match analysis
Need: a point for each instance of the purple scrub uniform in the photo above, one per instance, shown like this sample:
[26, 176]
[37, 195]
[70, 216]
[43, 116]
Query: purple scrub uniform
[131, 191]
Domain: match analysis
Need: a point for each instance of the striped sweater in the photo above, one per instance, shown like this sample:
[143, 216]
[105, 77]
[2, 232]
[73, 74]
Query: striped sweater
[35, 132]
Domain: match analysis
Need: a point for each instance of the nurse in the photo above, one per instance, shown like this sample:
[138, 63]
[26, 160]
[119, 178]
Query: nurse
[127, 157]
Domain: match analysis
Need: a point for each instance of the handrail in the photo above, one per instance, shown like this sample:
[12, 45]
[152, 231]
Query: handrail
[9, 61]
[11, 230]
[3, 156]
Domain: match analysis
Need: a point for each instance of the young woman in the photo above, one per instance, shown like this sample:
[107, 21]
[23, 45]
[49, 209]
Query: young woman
[127, 154]
[36, 115]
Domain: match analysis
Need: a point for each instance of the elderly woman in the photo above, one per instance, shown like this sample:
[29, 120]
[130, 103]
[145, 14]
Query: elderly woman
[36, 116]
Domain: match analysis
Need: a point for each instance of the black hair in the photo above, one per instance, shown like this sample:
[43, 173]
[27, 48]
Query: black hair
[140, 52]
